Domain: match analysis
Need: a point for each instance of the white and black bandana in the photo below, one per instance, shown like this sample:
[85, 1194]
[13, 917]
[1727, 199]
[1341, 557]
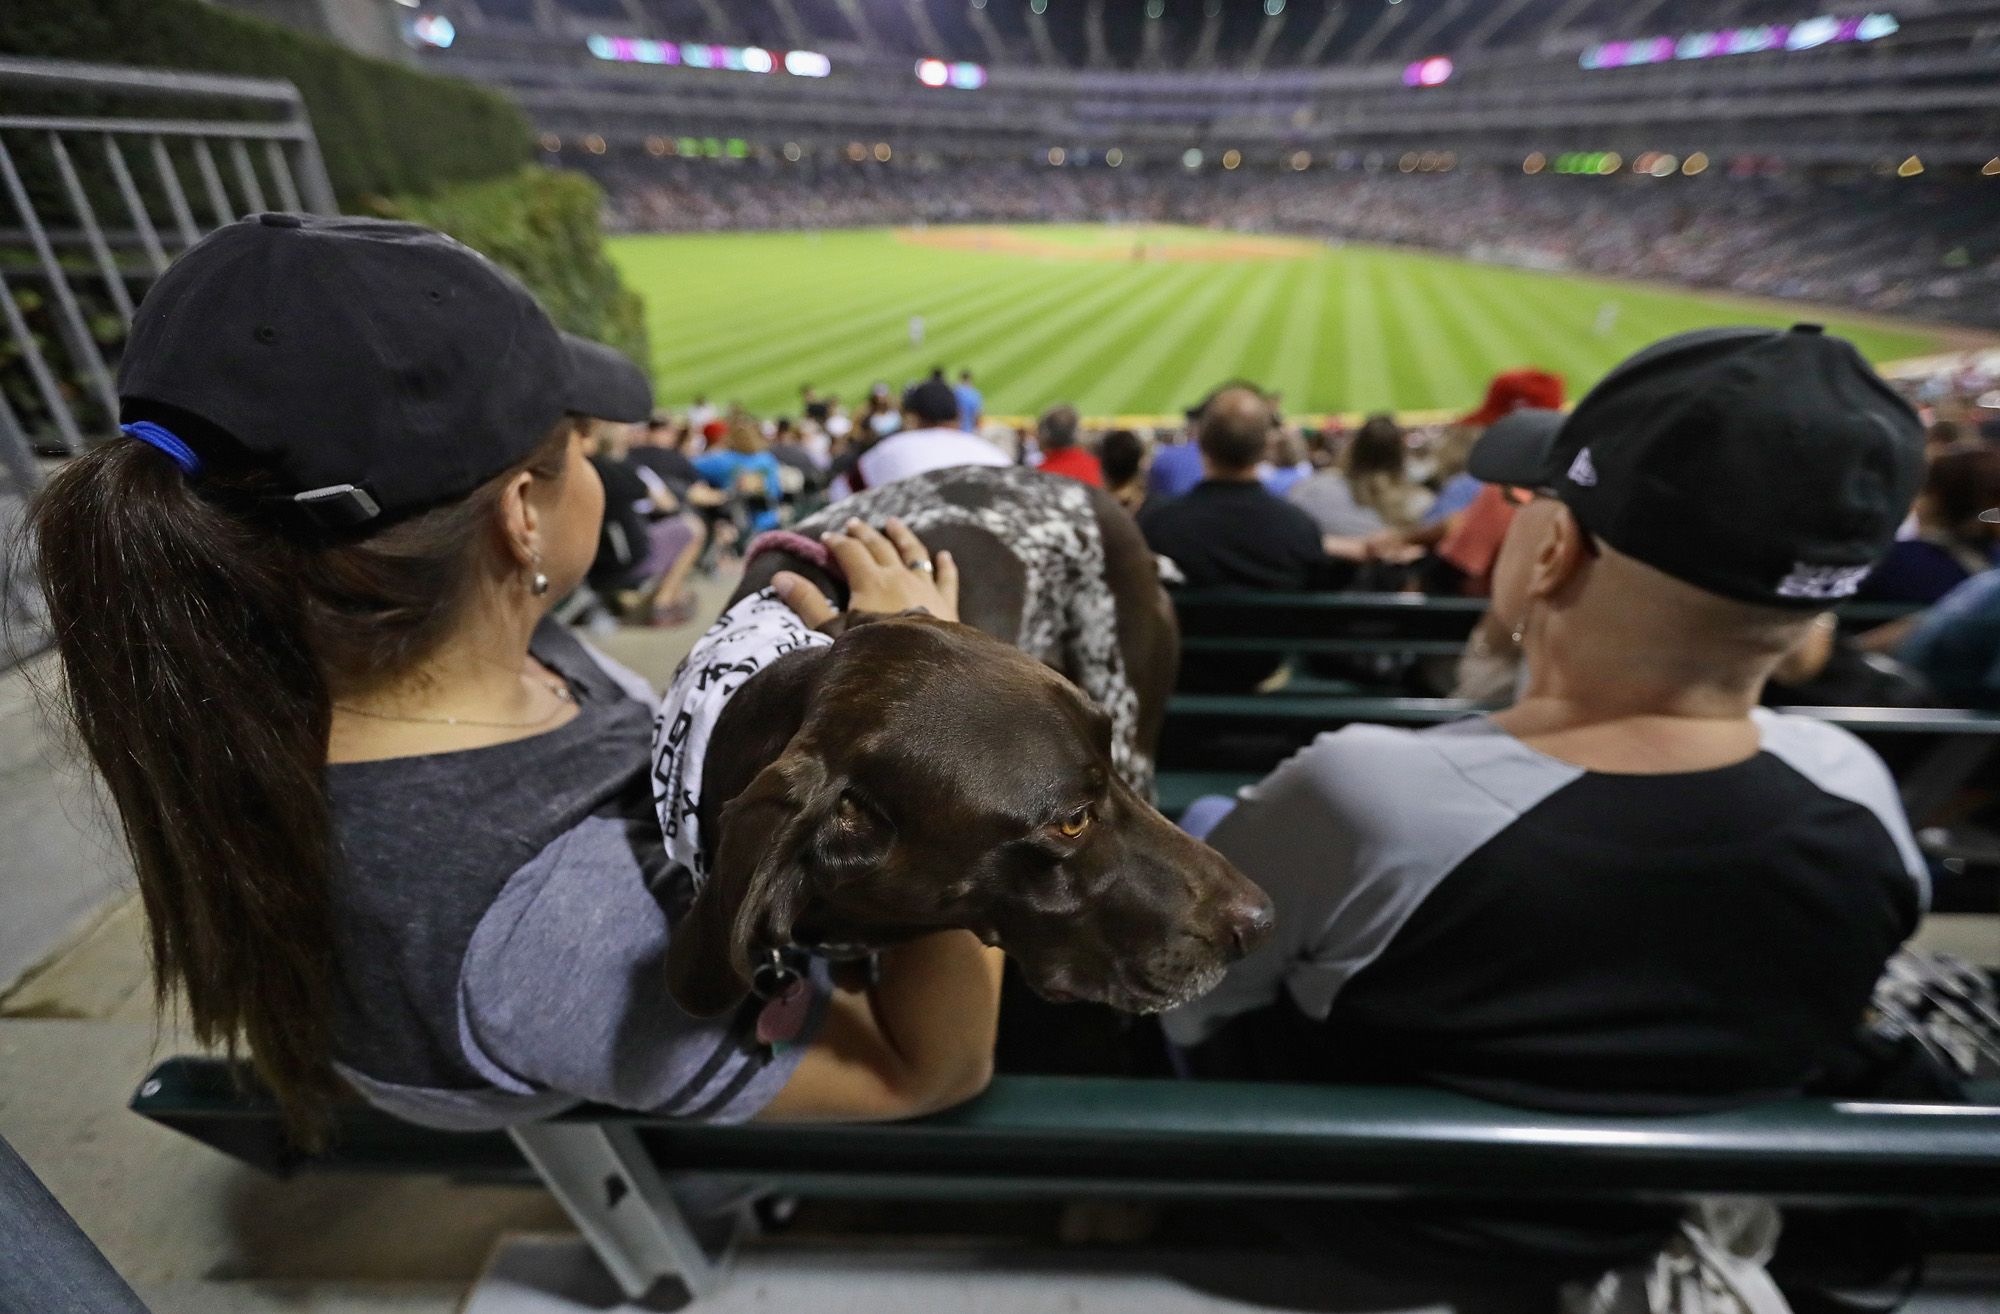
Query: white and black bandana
[745, 639]
[1069, 618]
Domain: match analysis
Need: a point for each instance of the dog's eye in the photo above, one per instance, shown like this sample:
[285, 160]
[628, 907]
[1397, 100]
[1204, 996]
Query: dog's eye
[1075, 823]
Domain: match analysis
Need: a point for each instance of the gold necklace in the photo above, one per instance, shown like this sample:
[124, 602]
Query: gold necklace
[562, 694]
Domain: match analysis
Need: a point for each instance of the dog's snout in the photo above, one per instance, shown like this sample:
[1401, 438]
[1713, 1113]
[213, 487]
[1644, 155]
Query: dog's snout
[1247, 920]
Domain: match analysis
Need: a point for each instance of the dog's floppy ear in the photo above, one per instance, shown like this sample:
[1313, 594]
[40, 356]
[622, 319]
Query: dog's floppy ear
[756, 887]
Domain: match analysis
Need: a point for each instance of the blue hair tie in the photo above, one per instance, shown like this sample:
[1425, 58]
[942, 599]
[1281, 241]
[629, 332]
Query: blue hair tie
[167, 441]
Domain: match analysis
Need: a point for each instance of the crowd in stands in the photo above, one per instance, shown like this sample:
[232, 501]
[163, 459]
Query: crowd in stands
[1241, 498]
[1890, 245]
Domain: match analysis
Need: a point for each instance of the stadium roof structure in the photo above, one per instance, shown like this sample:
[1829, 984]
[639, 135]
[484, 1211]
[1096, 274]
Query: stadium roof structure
[1277, 81]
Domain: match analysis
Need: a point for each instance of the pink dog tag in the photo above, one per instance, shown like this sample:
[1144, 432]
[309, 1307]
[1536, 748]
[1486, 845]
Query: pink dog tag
[784, 1017]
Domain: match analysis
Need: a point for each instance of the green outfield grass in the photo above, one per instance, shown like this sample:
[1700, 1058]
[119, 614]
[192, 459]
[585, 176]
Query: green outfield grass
[1048, 314]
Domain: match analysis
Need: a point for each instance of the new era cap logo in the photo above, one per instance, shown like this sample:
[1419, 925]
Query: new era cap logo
[1822, 582]
[1583, 471]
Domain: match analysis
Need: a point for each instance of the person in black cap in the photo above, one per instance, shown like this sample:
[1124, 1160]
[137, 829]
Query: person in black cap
[393, 828]
[1634, 890]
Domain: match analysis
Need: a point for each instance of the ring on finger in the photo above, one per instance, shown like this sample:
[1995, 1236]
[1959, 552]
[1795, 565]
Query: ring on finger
[923, 564]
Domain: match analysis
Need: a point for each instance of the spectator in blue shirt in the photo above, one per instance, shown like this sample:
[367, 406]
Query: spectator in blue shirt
[971, 406]
[744, 468]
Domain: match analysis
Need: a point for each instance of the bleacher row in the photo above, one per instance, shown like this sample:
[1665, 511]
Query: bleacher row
[1063, 1138]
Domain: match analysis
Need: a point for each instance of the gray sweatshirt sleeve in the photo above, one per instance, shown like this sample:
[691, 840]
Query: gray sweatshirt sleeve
[564, 990]
[1348, 838]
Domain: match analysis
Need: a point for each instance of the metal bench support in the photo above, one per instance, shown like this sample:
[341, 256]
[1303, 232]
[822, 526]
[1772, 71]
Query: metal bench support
[618, 1200]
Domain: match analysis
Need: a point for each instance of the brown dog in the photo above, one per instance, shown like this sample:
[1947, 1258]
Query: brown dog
[919, 776]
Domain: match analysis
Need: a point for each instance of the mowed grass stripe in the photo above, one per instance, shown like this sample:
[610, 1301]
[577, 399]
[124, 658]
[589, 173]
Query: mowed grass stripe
[1077, 376]
[1421, 344]
[877, 306]
[1539, 337]
[753, 316]
[1368, 384]
[1476, 341]
[1180, 341]
[1260, 324]
[845, 349]
[1056, 337]
[722, 298]
[1296, 366]
[960, 345]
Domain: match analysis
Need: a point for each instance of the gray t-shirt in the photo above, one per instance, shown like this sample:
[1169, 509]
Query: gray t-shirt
[501, 924]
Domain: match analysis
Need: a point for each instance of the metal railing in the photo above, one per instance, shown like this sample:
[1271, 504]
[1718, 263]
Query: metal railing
[106, 174]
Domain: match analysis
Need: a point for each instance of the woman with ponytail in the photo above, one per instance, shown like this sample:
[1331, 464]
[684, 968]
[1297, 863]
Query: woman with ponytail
[393, 828]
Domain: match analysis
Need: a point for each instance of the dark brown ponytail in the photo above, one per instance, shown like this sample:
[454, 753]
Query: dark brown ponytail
[199, 638]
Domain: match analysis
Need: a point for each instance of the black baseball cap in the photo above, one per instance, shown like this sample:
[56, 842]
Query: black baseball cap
[376, 367]
[931, 401]
[1770, 466]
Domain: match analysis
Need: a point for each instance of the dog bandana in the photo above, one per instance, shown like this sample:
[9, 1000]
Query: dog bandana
[1069, 618]
[751, 635]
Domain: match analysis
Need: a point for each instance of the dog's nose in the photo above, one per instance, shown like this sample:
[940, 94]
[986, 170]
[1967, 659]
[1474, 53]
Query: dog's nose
[1247, 919]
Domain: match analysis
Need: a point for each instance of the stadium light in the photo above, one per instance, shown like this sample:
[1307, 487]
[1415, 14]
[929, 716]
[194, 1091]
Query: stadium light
[433, 30]
[1610, 162]
[792, 152]
[1156, 8]
[1057, 155]
[1039, 6]
[932, 72]
[856, 151]
[882, 152]
[656, 146]
[1409, 162]
[693, 54]
[1231, 158]
[1535, 163]
[1432, 72]
[1665, 166]
[1807, 34]
[1191, 158]
[594, 144]
[1274, 7]
[1992, 167]
[1694, 164]
[1910, 168]
[1114, 157]
[1301, 161]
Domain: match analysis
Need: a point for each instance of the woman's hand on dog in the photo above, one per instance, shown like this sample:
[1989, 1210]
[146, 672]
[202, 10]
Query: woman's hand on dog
[887, 571]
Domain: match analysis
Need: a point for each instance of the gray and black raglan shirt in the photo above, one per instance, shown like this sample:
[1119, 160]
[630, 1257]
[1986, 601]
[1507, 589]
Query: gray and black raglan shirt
[501, 919]
[1457, 909]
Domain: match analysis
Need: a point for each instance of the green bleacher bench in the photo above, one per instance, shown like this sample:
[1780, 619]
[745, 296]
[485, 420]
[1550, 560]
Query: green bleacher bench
[1052, 1137]
[1947, 746]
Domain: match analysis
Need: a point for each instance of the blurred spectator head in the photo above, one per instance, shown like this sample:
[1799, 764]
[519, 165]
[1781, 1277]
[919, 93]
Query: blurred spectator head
[1377, 448]
[1943, 434]
[1287, 449]
[1057, 429]
[1451, 448]
[746, 437]
[1122, 454]
[1234, 430]
[1517, 388]
[931, 403]
[965, 376]
[1963, 483]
